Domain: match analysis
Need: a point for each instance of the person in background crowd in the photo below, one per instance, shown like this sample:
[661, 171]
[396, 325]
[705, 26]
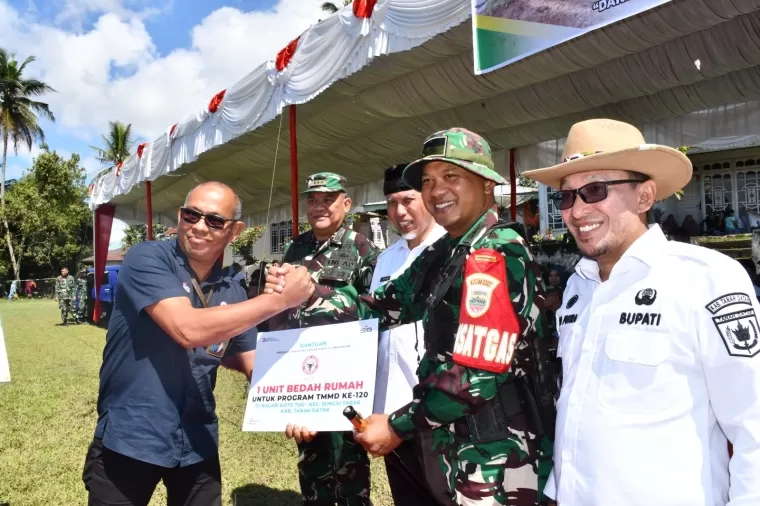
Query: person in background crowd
[332, 467]
[485, 397]
[731, 225]
[658, 340]
[80, 314]
[177, 317]
[555, 286]
[65, 289]
[401, 348]
[255, 286]
[12, 293]
[238, 275]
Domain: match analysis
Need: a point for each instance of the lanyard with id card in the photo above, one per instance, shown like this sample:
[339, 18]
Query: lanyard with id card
[218, 349]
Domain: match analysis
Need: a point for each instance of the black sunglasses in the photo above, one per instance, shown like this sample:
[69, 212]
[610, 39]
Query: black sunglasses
[590, 193]
[212, 220]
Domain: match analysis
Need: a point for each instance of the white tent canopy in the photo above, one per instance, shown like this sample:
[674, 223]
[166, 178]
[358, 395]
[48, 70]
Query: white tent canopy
[358, 115]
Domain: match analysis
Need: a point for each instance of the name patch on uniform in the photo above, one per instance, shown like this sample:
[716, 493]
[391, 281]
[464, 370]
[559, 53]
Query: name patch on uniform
[477, 343]
[340, 265]
[652, 319]
[488, 325]
[739, 330]
[384, 279]
[728, 300]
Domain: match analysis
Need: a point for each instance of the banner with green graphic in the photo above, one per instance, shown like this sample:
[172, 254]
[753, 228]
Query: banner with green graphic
[505, 31]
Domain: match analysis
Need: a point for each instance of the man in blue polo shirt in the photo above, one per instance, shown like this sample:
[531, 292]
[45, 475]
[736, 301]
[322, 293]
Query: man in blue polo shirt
[177, 317]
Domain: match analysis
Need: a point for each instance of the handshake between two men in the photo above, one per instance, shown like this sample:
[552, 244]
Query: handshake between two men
[377, 438]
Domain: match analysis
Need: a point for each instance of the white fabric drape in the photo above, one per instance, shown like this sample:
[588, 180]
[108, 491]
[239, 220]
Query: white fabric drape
[331, 50]
[640, 70]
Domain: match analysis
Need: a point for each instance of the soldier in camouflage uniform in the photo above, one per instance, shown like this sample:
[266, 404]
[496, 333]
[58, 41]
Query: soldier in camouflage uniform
[65, 289]
[485, 391]
[332, 467]
[81, 297]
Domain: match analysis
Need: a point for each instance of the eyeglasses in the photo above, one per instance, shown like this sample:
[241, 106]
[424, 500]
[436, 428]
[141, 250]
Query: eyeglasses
[590, 193]
[212, 220]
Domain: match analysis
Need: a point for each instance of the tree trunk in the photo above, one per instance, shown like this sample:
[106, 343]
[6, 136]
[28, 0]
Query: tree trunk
[16, 265]
[5, 161]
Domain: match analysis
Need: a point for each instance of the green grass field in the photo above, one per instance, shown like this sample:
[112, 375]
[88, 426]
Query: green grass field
[47, 418]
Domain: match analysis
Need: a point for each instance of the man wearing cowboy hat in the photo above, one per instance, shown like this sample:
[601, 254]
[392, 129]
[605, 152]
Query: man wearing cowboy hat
[483, 401]
[659, 340]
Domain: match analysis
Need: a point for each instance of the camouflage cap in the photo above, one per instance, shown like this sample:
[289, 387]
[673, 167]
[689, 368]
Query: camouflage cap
[458, 146]
[325, 182]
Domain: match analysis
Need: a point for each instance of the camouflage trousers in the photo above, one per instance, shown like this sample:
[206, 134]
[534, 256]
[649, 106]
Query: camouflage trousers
[483, 485]
[332, 469]
[516, 482]
[81, 311]
[67, 309]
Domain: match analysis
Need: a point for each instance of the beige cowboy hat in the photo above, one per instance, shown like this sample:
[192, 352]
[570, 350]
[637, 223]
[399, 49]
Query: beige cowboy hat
[605, 144]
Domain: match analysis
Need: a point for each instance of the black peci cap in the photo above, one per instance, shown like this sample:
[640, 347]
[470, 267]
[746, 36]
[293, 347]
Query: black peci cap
[394, 180]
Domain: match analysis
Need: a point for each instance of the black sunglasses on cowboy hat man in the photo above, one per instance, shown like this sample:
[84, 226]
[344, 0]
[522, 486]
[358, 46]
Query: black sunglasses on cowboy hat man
[605, 144]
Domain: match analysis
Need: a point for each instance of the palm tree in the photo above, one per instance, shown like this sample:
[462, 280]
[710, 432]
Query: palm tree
[117, 145]
[18, 110]
[333, 7]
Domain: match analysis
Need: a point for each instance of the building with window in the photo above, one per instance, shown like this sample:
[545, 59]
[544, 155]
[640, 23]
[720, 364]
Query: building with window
[724, 147]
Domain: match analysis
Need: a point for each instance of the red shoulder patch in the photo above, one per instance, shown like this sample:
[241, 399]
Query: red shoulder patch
[488, 326]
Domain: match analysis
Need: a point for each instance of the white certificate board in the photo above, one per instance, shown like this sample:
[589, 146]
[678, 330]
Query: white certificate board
[5, 371]
[308, 376]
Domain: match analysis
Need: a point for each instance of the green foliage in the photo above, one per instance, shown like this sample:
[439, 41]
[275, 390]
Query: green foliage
[117, 145]
[526, 182]
[349, 220]
[49, 223]
[134, 234]
[243, 245]
[18, 110]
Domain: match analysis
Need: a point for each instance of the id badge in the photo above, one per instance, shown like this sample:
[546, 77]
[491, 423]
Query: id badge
[218, 349]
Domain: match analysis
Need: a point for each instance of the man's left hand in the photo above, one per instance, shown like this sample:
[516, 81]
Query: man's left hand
[378, 439]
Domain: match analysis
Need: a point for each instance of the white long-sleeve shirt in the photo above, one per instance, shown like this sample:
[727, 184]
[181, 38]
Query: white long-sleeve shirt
[660, 370]
[397, 358]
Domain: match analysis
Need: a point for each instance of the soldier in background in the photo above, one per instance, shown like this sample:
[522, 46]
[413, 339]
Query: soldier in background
[81, 297]
[485, 395]
[332, 466]
[65, 288]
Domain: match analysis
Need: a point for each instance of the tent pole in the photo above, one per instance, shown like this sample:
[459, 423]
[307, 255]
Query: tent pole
[294, 169]
[513, 186]
[103, 219]
[149, 210]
